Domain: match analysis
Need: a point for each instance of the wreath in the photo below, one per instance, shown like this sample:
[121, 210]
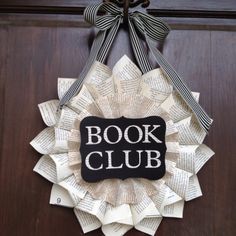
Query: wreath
[119, 204]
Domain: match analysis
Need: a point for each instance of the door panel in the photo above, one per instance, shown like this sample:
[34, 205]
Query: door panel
[210, 5]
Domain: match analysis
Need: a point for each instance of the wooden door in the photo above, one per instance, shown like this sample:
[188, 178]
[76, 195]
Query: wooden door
[43, 40]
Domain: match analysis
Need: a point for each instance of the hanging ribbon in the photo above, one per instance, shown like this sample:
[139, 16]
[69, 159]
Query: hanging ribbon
[154, 30]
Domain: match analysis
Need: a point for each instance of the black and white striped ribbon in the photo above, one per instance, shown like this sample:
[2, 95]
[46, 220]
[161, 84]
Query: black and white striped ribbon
[108, 26]
[153, 29]
[156, 30]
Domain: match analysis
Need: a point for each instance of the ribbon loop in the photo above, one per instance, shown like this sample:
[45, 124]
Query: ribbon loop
[102, 22]
[155, 27]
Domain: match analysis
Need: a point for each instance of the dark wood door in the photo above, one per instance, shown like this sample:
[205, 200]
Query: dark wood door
[43, 40]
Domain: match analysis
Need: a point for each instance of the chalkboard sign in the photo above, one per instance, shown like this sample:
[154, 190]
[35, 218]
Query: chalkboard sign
[122, 148]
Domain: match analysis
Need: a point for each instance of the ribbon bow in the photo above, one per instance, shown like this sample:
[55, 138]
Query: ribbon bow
[153, 29]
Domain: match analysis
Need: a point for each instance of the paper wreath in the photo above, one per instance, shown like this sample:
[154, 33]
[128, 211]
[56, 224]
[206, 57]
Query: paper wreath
[118, 205]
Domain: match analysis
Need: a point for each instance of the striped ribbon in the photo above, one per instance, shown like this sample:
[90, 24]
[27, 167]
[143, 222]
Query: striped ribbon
[153, 29]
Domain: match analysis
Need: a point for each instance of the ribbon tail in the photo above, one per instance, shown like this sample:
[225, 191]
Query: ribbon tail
[99, 48]
[204, 120]
[138, 50]
[109, 40]
[98, 52]
[75, 87]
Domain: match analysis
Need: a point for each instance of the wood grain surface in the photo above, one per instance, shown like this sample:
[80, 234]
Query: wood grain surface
[32, 57]
[216, 5]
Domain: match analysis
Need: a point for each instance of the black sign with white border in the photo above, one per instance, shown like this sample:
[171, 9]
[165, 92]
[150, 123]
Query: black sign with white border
[122, 148]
